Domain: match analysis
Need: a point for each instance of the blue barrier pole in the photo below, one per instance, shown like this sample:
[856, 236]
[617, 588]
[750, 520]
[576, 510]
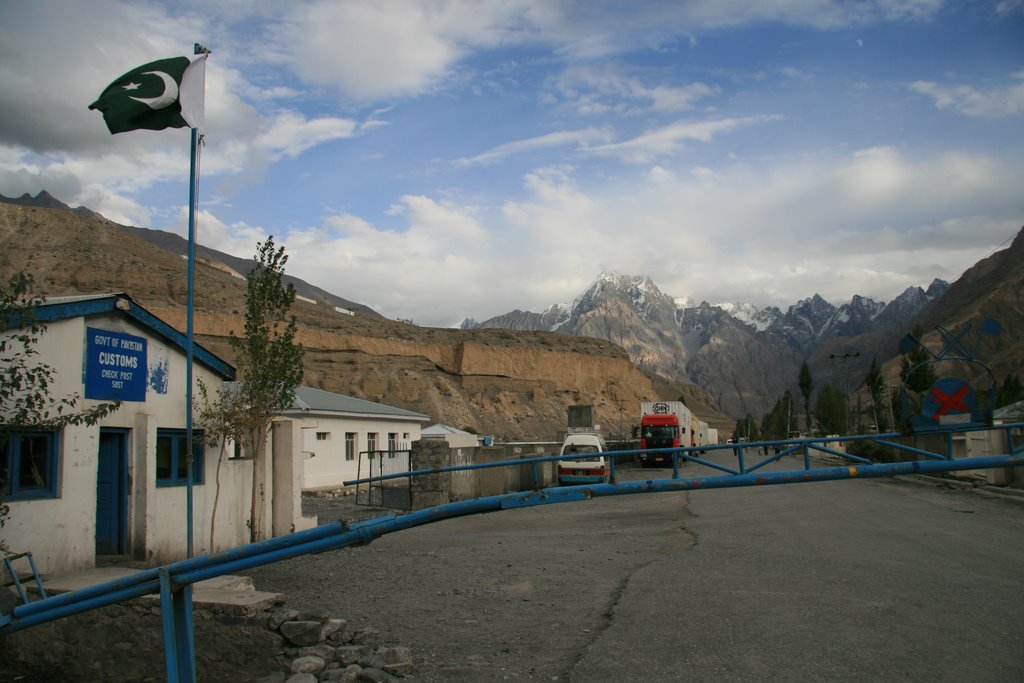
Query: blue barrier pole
[338, 534]
[179, 640]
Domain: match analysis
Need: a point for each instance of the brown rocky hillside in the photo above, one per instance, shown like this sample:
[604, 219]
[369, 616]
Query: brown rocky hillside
[514, 385]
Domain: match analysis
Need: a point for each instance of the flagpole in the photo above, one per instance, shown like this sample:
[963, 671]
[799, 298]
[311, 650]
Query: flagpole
[189, 333]
[195, 119]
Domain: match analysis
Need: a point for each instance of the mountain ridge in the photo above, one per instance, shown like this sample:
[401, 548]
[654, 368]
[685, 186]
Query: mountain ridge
[745, 357]
[515, 386]
[179, 245]
[741, 356]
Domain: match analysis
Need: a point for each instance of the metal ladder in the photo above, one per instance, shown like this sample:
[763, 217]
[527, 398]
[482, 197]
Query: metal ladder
[16, 580]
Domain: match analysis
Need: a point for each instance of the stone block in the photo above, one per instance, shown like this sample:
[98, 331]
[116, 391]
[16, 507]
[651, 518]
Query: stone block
[370, 637]
[330, 627]
[397, 660]
[350, 654]
[371, 675]
[301, 633]
[326, 652]
[313, 615]
[308, 665]
[279, 616]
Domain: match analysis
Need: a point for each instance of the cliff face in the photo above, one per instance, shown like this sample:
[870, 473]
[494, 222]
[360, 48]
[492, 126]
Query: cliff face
[514, 385]
[511, 391]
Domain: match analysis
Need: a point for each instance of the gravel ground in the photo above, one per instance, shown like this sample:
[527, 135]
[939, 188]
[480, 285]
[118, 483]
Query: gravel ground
[517, 594]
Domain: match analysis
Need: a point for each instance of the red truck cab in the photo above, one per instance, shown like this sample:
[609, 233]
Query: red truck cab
[658, 431]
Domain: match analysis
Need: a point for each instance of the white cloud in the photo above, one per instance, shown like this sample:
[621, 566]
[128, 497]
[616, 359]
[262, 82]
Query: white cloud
[391, 48]
[44, 98]
[970, 100]
[387, 48]
[238, 239]
[801, 228]
[290, 133]
[778, 215]
[591, 89]
[666, 141]
[770, 234]
[438, 225]
[819, 14]
[578, 138]
[1008, 7]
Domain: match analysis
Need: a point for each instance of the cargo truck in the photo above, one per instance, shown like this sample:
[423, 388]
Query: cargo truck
[663, 424]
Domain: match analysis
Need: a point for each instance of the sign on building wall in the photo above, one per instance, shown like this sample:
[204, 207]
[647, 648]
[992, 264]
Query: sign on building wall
[115, 366]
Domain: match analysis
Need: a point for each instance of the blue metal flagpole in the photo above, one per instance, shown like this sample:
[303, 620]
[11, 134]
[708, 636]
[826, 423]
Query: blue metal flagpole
[189, 334]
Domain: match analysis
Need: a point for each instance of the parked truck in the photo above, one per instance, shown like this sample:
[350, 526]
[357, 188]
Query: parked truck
[663, 424]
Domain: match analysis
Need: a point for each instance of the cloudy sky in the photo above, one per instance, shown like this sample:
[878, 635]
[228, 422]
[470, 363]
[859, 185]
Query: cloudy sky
[438, 160]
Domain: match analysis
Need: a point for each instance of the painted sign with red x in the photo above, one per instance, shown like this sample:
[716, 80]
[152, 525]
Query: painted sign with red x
[949, 397]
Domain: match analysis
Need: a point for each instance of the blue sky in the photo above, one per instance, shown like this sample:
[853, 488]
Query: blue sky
[445, 160]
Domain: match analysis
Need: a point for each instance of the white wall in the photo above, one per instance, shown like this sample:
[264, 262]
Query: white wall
[61, 531]
[287, 474]
[326, 468]
[58, 531]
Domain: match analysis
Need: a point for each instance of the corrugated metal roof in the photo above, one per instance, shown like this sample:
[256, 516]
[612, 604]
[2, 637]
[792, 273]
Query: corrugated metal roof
[310, 400]
[442, 430]
[1013, 411]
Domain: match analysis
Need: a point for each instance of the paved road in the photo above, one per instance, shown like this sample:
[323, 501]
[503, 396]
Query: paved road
[838, 581]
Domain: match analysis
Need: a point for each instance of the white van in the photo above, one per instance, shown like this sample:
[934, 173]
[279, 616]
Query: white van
[584, 470]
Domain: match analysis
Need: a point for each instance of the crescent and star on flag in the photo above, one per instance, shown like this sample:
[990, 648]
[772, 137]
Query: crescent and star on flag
[168, 97]
[167, 93]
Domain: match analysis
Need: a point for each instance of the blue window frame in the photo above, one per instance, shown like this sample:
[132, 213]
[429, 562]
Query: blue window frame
[28, 464]
[171, 463]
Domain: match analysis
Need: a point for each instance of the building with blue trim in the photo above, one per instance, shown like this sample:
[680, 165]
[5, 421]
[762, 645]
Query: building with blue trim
[118, 488]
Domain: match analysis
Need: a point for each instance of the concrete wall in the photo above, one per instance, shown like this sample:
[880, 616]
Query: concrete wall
[289, 458]
[477, 483]
[326, 468]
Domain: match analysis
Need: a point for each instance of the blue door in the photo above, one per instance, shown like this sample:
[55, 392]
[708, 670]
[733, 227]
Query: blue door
[112, 492]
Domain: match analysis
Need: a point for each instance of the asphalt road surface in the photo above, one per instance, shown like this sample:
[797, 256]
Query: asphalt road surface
[866, 580]
[835, 581]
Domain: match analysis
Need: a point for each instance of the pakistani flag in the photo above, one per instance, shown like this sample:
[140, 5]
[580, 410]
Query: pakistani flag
[167, 93]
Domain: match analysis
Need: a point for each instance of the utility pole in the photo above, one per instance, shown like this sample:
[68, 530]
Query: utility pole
[846, 386]
[888, 400]
[622, 436]
[789, 413]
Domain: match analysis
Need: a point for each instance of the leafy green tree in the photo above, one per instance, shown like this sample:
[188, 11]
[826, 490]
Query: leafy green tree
[923, 376]
[26, 400]
[917, 377]
[778, 423]
[222, 418]
[830, 410]
[269, 362]
[876, 386]
[1011, 391]
[806, 389]
[746, 428]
